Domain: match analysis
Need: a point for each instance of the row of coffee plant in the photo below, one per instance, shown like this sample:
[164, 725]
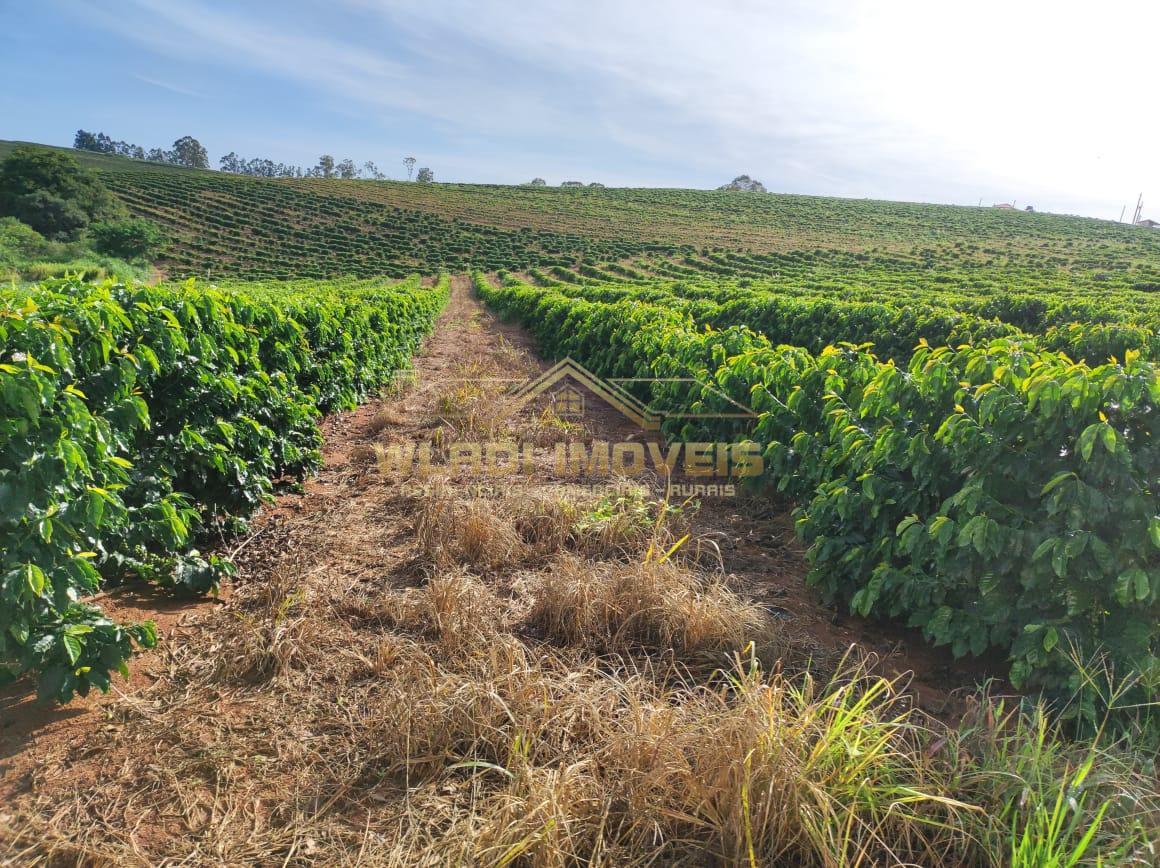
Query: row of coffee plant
[136, 419]
[893, 328]
[996, 495]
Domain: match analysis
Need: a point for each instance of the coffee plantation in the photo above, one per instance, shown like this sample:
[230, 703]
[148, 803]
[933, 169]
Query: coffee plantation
[994, 494]
[959, 401]
[137, 419]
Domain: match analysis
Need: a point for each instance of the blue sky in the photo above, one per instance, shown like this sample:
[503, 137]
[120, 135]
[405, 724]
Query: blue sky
[1045, 103]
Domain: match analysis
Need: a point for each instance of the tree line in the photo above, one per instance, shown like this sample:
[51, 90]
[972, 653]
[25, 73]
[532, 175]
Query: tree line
[189, 152]
[186, 151]
[327, 167]
[540, 182]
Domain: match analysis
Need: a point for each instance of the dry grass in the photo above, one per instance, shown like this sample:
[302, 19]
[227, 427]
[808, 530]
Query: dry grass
[331, 723]
[387, 417]
[546, 521]
[464, 743]
[403, 382]
[270, 636]
[528, 525]
[474, 404]
[547, 428]
[364, 454]
[633, 527]
[450, 529]
[616, 606]
[513, 360]
[455, 609]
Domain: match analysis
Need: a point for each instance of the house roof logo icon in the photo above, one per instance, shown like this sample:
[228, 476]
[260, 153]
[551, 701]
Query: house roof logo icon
[611, 393]
[614, 392]
[568, 402]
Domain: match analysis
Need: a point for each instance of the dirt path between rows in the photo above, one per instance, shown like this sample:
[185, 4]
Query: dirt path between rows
[333, 548]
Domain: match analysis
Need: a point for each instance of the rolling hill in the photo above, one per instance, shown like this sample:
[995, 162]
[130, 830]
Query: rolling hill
[230, 225]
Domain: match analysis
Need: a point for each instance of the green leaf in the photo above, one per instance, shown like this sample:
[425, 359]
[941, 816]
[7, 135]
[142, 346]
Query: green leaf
[1103, 554]
[1044, 547]
[19, 632]
[73, 646]
[34, 579]
[1087, 440]
[1109, 437]
[1057, 479]
[1076, 544]
[1129, 584]
[1050, 638]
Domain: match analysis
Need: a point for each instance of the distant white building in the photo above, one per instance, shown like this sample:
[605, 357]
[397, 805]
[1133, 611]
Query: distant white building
[1149, 224]
[1006, 206]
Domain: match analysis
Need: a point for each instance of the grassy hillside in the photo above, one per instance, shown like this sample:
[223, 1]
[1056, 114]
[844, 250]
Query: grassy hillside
[103, 162]
[249, 227]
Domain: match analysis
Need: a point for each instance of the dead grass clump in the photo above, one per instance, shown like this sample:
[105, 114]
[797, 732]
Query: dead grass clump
[627, 523]
[557, 764]
[548, 428]
[266, 638]
[510, 359]
[487, 533]
[454, 609]
[455, 401]
[544, 522]
[474, 404]
[525, 526]
[465, 612]
[501, 712]
[766, 770]
[550, 816]
[363, 454]
[387, 417]
[451, 530]
[487, 539]
[661, 605]
[400, 383]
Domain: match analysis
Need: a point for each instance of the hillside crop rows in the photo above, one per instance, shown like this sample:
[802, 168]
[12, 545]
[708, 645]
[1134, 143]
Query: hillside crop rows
[136, 419]
[772, 222]
[253, 228]
[227, 225]
[946, 274]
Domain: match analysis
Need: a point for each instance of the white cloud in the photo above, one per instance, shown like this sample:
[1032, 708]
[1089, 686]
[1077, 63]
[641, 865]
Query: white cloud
[1032, 100]
[172, 88]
